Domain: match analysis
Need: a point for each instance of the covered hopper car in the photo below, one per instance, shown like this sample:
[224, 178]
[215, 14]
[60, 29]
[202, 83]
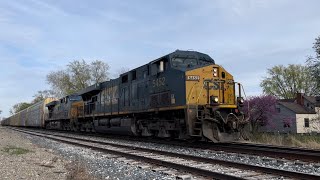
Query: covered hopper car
[33, 116]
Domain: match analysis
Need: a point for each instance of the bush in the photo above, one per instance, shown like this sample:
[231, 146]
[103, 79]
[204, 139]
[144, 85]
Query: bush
[294, 140]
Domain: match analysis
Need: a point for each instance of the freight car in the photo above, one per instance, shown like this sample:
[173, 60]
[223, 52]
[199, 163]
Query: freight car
[181, 95]
[33, 116]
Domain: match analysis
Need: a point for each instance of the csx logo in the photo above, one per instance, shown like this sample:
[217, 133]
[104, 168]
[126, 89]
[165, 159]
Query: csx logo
[193, 78]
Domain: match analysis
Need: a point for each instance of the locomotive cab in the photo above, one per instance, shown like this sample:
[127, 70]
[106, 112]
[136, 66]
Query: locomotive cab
[213, 106]
[205, 90]
[61, 111]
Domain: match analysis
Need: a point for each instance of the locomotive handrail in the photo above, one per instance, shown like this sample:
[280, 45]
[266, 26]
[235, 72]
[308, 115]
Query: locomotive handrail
[189, 96]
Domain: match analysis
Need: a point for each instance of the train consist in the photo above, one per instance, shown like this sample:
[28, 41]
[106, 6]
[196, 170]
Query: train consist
[182, 95]
[33, 116]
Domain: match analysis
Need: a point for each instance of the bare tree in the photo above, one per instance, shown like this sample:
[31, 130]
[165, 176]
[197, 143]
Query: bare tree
[99, 71]
[79, 73]
[41, 95]
[77, 76]
[313, 64]
[314, 122]
[19, 107]
[60, 83]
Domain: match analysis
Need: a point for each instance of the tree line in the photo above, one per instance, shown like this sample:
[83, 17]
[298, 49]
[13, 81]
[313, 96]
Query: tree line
[76, 76]
[283, 82]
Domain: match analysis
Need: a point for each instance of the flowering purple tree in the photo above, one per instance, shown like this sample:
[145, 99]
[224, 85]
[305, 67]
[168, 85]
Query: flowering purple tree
[260, 110]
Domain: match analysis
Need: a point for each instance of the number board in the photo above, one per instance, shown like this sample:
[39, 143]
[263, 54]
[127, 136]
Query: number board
[193, 78]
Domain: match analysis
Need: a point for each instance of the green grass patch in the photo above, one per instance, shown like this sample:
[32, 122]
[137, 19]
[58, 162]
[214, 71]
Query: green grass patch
[294, 140]
[12, 150]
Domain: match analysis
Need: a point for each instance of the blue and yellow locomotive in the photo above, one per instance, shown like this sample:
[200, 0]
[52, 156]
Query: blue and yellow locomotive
[182, 95]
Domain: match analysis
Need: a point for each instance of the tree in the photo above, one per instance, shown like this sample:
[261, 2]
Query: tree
[19, 107]
[60, 82]
[39, 96]
[99, 71]
[285, 82]
[260, 110]
[42, 95]
[313, 64]
[77, 76]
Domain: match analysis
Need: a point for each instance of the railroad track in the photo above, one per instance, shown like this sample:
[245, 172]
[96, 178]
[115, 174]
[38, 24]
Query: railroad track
[195, 165]
[292, 153]
[289, 153]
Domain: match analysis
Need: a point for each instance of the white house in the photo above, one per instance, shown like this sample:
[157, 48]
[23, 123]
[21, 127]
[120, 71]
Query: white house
[298, 115]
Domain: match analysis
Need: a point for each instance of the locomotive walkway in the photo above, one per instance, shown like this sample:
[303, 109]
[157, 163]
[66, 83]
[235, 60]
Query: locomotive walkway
[197, 166]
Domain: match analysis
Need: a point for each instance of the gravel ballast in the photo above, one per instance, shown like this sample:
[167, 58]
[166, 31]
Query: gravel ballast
[99, 165]
[103, 166]
[298, 166]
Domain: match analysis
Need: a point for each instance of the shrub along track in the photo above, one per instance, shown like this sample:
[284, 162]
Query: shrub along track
[198, 166]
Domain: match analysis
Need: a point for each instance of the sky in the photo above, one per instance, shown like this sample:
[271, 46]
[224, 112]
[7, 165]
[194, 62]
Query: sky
[246, 37]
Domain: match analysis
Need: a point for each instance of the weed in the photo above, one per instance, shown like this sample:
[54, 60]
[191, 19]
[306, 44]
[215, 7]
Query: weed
[12, 150]
[294, 140]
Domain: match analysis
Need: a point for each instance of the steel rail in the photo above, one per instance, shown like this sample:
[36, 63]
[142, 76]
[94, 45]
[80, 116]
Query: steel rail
[194, 170]
[197, 158]
[271, 151]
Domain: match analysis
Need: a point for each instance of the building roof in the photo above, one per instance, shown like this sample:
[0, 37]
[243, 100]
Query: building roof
[311, 99]
[297, 108]
[287, 100]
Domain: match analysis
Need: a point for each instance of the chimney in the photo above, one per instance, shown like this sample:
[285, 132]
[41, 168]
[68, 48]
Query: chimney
[300, 99]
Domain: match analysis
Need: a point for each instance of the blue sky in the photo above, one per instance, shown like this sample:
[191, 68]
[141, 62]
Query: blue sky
[244, 36]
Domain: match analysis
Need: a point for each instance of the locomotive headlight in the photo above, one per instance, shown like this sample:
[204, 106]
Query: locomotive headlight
[240, 101]
[215, 72]
[214, 100]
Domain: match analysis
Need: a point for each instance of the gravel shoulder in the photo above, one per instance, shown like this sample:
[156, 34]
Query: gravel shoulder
[47, 159]
[21, 159]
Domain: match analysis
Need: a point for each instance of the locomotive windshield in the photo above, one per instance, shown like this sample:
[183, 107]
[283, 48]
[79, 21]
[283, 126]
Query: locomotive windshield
[186, 63]
[183, 63]
[75, 98]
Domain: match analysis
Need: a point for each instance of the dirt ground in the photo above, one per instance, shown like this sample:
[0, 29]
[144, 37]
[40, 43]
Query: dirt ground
[20, 159]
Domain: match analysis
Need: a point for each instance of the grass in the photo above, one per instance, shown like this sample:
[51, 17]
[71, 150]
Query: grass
[294, 140]
[13, 150]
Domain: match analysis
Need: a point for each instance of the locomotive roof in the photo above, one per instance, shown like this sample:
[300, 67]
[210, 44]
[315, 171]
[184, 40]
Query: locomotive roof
[187, 54]
[94, 89]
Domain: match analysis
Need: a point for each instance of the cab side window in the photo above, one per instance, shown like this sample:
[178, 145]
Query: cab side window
[159, 66]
